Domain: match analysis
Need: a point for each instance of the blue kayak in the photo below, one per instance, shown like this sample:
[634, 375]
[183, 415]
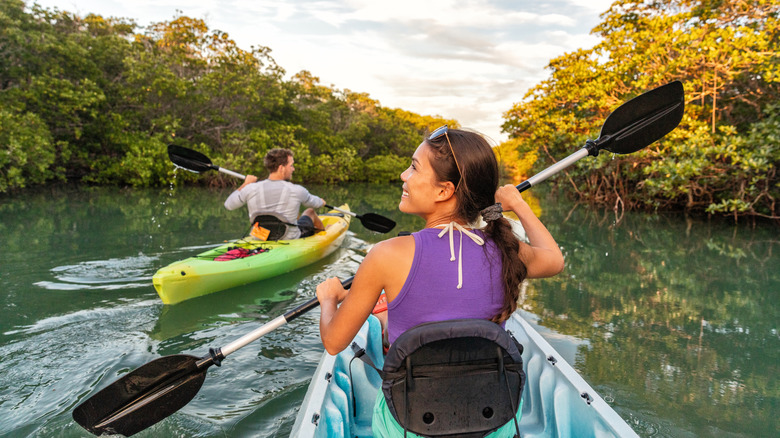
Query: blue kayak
[557, 402]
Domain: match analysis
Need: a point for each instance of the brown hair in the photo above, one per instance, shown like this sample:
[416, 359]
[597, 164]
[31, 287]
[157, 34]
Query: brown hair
[476, 190]
[276, 157]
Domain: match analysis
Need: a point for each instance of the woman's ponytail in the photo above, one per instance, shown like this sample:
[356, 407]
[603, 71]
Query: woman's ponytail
[513, 269]
[475, 190]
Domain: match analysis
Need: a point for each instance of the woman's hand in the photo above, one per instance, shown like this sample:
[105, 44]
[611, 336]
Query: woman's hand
[331, 291]
[339, 324]
[510, 198]
[541, 255]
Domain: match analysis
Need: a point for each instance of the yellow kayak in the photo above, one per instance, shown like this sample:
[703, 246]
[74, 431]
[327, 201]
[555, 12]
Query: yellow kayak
[257, 260]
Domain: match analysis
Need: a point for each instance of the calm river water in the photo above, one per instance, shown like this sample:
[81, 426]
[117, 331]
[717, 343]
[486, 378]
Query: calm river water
[673, 320]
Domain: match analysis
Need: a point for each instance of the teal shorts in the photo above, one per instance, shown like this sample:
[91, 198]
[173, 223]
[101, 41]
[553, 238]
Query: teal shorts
[383, 425]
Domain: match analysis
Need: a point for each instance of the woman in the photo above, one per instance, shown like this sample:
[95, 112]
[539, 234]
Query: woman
[448, 270]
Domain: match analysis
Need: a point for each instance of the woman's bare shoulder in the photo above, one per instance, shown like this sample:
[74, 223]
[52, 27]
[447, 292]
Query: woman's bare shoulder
[397, 247]
[388, 263]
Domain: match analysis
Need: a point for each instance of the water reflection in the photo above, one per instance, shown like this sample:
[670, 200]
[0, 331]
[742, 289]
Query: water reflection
[672, 319]
[681, 317]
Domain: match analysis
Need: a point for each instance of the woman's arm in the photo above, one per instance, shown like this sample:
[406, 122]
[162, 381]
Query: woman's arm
[340, 324]
[541, 255]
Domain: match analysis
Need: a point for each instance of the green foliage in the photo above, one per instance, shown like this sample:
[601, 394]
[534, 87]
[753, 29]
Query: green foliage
[385, 168]
[336, 167]
[726, 172]
[110, 96]
[26, 150]
[723, 157]
[143, 165]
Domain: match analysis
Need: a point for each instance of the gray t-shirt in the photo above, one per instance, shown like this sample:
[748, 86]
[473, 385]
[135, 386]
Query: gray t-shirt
[274, 196]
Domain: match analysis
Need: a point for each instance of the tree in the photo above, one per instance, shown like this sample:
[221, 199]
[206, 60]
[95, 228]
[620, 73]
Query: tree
[727, 56]
[96, 100]
[26, 150]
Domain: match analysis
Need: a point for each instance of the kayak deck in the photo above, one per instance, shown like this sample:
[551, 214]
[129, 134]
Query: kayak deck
[201, 274]
[557, 402]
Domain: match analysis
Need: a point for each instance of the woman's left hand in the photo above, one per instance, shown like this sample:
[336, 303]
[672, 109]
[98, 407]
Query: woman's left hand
[510, 198]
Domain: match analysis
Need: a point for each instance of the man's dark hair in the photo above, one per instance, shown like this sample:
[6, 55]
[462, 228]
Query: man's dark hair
[276, 157]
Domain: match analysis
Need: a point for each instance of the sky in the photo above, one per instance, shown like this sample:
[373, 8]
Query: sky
[468, 60]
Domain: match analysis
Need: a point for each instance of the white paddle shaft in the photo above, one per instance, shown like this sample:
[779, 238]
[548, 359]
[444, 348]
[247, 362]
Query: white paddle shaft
[250, 337]
[557, 167]
[231, 173]
[342, 211]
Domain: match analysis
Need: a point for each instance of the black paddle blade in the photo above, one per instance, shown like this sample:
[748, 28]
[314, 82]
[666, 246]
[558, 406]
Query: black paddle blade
[143, 397]
[188, 159]
[643, 119]
[375, 222]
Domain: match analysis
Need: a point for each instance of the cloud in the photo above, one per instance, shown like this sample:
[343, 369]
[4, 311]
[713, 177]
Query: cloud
[463, 59]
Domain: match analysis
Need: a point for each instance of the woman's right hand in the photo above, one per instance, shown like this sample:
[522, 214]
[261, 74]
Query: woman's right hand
[331, 291]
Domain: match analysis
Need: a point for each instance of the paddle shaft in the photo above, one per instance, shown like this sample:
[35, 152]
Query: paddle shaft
[161, 387]
[230, 172]
[552, 170]
[351, 213]
[275, 323]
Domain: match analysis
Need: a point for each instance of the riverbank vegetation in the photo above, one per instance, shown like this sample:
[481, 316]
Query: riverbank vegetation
[96, 100]
[722, 159]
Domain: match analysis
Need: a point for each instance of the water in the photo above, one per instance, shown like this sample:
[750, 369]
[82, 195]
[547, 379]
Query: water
[672, 320]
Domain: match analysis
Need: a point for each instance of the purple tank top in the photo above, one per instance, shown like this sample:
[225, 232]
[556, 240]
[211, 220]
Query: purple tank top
[430, 292]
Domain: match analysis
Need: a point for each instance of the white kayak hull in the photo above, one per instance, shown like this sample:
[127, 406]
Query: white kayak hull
[557, 402]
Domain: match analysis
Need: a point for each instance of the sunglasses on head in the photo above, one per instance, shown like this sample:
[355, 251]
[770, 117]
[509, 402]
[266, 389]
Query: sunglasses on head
[438, 132]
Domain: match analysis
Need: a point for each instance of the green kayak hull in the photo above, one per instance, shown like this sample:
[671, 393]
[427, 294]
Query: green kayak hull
[201, 274]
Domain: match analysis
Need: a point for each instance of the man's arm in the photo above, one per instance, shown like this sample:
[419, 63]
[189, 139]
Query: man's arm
[235, 200]
[310, 200]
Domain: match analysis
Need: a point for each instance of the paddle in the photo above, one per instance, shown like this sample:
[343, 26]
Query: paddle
[629, 128]
[161, 387]
[372, 221]
[195, 161]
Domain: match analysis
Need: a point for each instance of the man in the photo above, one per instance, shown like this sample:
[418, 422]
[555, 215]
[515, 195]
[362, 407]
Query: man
[277, 196]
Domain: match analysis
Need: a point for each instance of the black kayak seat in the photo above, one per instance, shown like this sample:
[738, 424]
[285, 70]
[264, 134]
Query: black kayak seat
[275, 224]
[459, 378]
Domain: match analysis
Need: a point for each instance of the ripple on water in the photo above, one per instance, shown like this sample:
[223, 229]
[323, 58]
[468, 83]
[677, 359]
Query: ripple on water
[116, 273]
[54, 364]
[81, 317]
[63, 360]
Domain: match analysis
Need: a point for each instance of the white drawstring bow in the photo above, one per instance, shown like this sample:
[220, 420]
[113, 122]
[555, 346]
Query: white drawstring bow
[449, 228]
